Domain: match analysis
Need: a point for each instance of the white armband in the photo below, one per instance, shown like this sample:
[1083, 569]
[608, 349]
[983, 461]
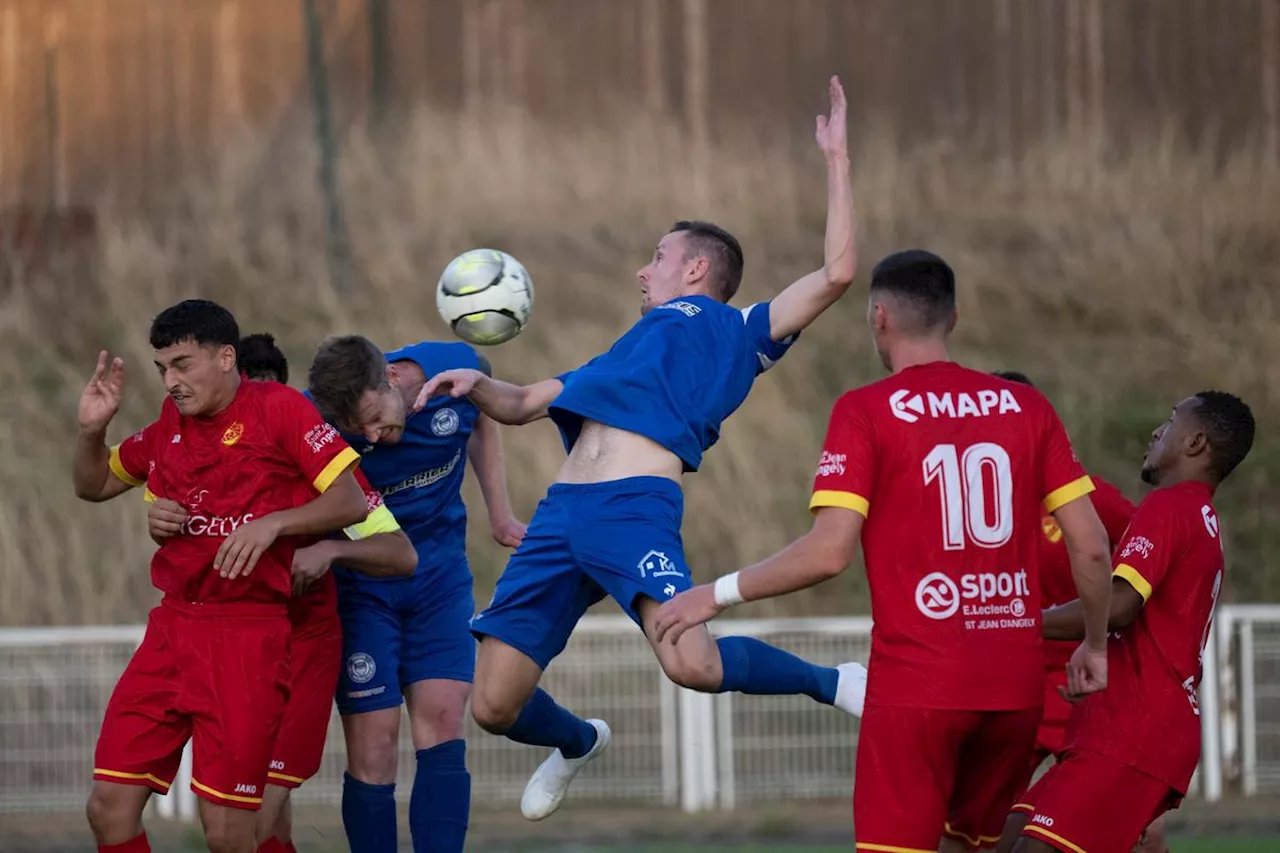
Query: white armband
[727, 593]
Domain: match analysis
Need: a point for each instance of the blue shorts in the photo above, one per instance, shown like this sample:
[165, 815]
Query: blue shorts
[399, 632]
[619, 538]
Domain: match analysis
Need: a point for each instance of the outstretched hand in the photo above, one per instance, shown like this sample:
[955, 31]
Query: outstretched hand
[101, 397]
[454, 383]
[832, 130]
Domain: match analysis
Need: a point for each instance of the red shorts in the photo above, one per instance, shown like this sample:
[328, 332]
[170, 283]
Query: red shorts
[1091, 802]
[315, 661]
[924, 773]
[213, 674]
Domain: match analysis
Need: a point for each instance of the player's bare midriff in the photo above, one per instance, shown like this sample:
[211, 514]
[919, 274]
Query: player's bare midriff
[604, 453]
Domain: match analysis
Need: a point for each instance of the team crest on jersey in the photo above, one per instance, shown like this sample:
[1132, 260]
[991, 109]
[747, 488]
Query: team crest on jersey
[1052, 531]
[233, 433]
[444, 422]
[361, 668]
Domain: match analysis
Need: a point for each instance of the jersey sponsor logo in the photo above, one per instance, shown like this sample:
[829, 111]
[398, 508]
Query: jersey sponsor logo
[444, 422]
[425, 478]
[233, 433]
[988, 599]
[320, 436]
[361, 668]
[831, 464]
[656, 564]
[937, 596]
[1210, 520]
[1138, 545]
[214, 526]
[688, 309]
[910, 408]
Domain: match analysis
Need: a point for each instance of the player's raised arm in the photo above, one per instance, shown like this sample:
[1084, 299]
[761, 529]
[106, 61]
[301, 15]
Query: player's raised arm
[800, 303]
[91, 467]
[502, 401]
[485, 451]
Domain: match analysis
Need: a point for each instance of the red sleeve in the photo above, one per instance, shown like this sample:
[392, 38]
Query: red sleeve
[1149, 547]
[131, 459]
[1113, 508]
[847, 467]
[306, 440]
[1063, 477]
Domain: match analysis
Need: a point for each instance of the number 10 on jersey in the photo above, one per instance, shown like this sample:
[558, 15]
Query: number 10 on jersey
[976, 488]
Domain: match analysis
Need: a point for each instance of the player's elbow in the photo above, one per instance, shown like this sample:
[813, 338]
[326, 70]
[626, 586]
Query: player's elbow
[405, 560]
[1126, 604]
[839, 275]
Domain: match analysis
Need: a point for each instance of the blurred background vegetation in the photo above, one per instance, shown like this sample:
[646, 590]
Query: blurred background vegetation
[1105, 178]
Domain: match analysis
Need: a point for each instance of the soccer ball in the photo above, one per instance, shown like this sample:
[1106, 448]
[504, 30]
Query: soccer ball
[485, 296]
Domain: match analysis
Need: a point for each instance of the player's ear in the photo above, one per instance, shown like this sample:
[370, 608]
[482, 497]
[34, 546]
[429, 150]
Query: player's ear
[951, 321]
[227, 357]
[1196, 442]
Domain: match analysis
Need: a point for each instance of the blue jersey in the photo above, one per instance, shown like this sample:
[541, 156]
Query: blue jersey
[673, 377]
[420, 477]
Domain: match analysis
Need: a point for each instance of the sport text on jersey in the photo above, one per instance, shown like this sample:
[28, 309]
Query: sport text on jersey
[986, 600]
[910, 407]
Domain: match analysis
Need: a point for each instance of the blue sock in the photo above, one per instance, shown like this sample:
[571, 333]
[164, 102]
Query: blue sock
[369, 816]
[544, 723]
[751, 666]
[441, 801]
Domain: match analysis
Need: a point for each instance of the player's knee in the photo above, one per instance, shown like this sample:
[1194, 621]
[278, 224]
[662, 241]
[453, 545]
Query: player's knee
[492, 713]
[115, 815]
[695, 672]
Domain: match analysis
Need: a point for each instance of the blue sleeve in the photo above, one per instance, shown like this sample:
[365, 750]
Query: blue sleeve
[767, 350]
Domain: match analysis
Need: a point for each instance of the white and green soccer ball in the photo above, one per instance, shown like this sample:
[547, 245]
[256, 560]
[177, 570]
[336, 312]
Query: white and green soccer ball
[485, 296]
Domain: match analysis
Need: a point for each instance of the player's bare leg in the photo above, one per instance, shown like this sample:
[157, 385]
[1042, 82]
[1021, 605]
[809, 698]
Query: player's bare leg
[228, 830]
[440, 806]
[951, 845]
[507, 701]
[1013, 826]
[1153, 840]
[275, 818]
[698, 661]
[115, 812]
[1032, 845]
[372, 740]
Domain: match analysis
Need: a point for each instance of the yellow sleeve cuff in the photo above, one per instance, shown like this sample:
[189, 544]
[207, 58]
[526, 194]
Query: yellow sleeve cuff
[117, 468]
[381, 520]
[1135, 580]
[844, 500]
[148, 496]
[1064, 495]
[335, 469]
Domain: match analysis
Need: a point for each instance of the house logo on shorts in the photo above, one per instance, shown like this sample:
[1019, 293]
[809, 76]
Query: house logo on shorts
[444, 422]
[937, 596]
[656, 564]
[361, 668]
[233, 433]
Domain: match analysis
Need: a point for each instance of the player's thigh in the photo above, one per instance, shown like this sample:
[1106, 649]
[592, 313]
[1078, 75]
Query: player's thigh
[505, 680]
[143, 731]
[539, 598]
[993, 771]
[905, 769]
[1094, 803]
[315, 659]
[369, 679]
[237, 703]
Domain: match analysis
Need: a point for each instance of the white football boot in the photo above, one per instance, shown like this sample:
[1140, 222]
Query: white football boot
[851, 689]
[549, 783]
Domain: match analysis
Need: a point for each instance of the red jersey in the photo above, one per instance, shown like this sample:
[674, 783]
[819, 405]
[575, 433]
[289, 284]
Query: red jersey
[1149, 715]
[1057, 585]
[267, 451]
[319, 603]
[952, 468]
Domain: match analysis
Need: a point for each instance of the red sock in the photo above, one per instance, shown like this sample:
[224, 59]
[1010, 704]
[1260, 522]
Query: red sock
[136, 845]
[288, 847]
[275, 845]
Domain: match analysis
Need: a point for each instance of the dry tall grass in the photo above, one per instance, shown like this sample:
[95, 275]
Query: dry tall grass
[1119, 286]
